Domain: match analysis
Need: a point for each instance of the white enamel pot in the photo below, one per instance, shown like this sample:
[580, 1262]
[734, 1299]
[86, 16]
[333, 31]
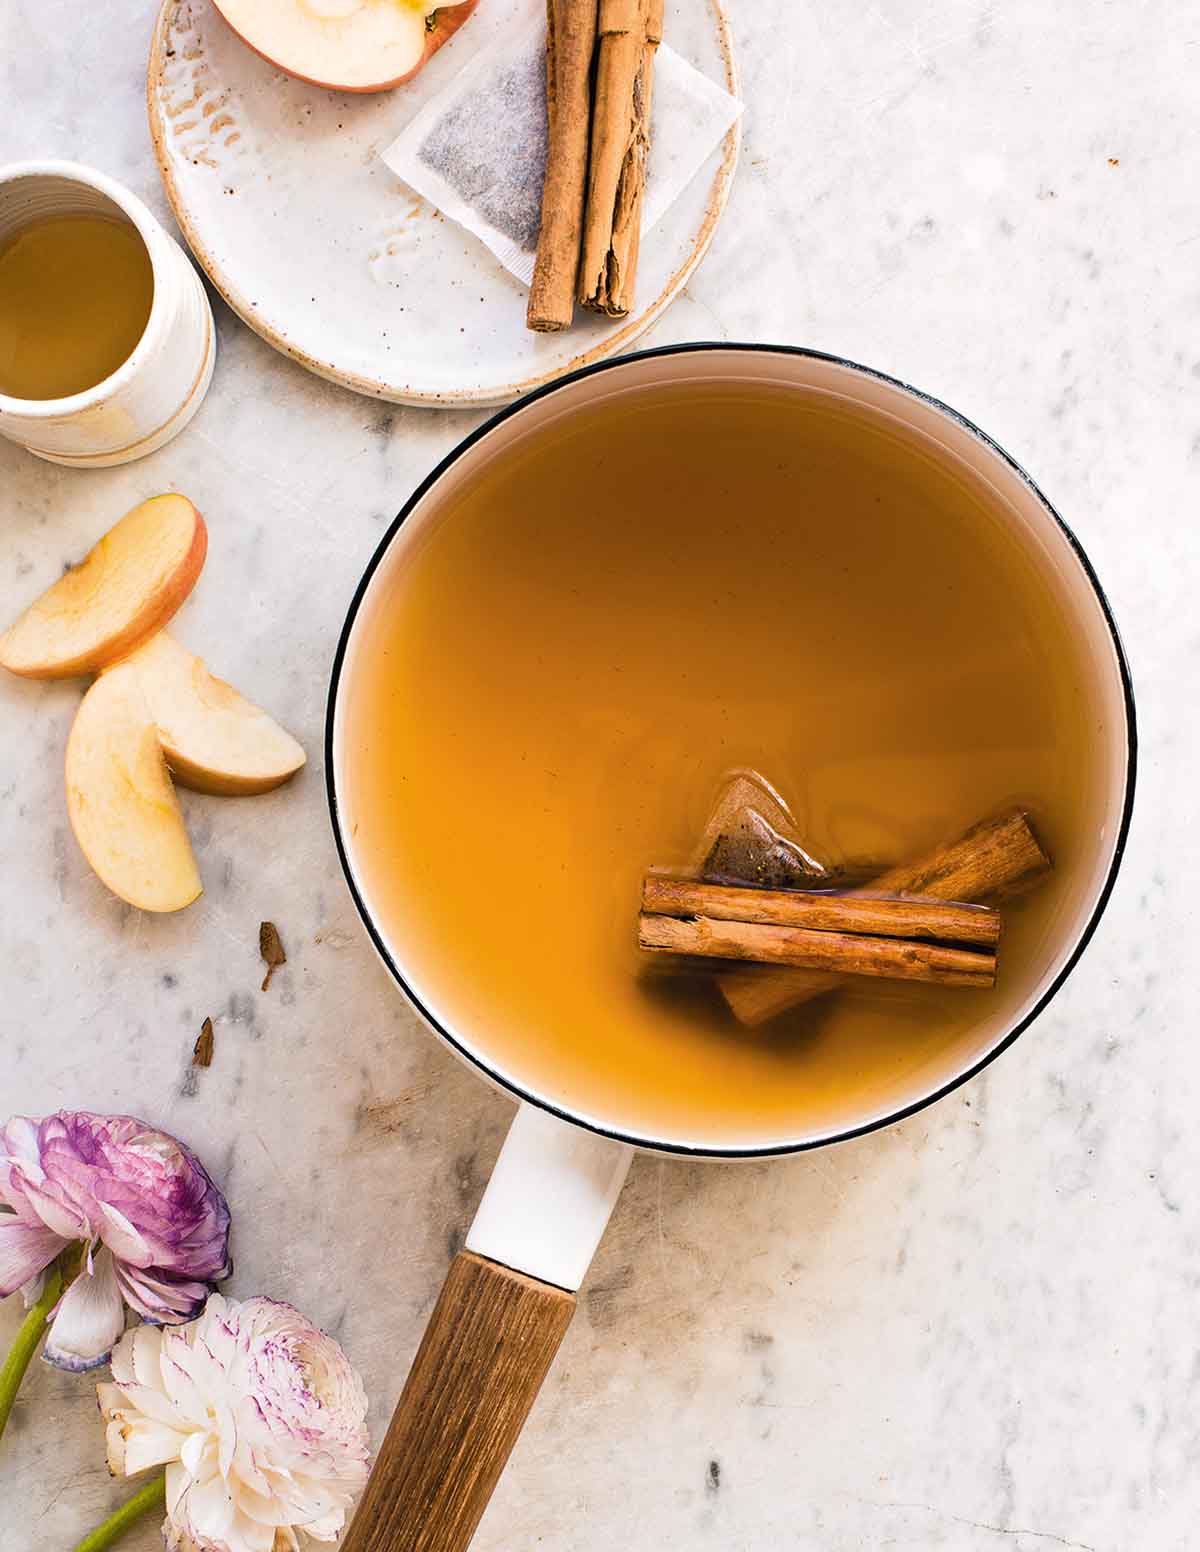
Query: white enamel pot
[509, 1295]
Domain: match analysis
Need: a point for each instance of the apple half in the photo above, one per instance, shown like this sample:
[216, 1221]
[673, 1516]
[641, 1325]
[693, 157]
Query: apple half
[214, 739]
[348, 45]
[121, 801]
[126, 588]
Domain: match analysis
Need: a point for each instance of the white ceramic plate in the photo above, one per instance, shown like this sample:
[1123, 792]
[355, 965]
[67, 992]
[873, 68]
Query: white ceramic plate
[318, 246]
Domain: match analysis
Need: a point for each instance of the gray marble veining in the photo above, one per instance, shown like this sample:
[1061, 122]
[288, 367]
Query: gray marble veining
[973, 1331]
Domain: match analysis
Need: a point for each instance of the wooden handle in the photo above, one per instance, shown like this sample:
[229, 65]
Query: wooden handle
[491, 1338]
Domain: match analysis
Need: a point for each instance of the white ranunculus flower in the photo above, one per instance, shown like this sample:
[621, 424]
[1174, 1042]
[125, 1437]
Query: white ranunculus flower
[256, 1415]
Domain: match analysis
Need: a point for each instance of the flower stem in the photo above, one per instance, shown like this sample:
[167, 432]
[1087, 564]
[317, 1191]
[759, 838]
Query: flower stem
[27, 1341]
[152, 1496]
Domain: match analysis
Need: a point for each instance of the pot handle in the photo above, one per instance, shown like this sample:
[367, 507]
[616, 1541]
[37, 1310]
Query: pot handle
[502, 1312]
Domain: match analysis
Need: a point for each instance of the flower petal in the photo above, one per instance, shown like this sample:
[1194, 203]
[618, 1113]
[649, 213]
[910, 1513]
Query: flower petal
[253, 1478]
[89, 1321]
[110, 1399]
[150, 1444]
[25, 1250]
[59, 1216]
[145, 1353]
[177, 1485]
[114, 1447]
[210, 1510]
[329, 1528]
[121, 1237]
[159, 1297]
[227, 1438]
[263, 1508]
[19, 1146]
[122, 1357]
[184, 1395]
[151, 1403]
[193, 1455]
[249, 1536]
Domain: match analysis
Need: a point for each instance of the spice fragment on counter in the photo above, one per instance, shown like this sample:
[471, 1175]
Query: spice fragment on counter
[202, 1051]
[271, 949]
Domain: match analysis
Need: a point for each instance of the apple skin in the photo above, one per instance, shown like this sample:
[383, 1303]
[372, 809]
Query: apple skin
[447, 19]
[446, 22]
[47, 642]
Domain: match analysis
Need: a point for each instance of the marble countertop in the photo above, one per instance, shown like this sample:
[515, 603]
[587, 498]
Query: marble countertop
[974, 1330]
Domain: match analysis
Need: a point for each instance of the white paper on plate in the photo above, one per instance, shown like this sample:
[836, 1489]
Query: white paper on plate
[477, 148]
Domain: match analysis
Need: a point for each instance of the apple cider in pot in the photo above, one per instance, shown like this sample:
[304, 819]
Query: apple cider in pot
[620, 610]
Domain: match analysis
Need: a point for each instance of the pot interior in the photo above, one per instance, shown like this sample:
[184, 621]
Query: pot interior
[676, 565]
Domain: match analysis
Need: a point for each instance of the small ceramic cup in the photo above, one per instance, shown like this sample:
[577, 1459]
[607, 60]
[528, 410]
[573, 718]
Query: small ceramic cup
[153, 393]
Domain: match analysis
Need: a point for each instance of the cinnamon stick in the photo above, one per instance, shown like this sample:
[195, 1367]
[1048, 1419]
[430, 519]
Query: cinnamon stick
[835, 953]
[992, 858]
[938, 920]
[570, 45]
[629, 34]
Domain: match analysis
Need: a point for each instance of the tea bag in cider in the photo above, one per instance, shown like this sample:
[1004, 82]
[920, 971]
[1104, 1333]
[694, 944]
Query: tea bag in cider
[751, 838]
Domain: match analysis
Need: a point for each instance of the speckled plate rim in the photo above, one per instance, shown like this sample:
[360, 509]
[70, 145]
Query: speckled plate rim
[454, 398]
[491, 1071]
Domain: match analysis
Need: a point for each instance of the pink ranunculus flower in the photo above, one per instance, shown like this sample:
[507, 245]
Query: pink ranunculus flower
[258, 1418]
[154, 1227]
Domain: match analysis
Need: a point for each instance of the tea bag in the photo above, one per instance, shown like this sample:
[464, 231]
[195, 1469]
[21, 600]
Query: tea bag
[477, 148]
[752, 838]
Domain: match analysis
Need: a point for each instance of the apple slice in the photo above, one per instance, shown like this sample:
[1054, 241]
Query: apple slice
[349, 45]
[127, 587]
[120, 800]
[214, 739]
